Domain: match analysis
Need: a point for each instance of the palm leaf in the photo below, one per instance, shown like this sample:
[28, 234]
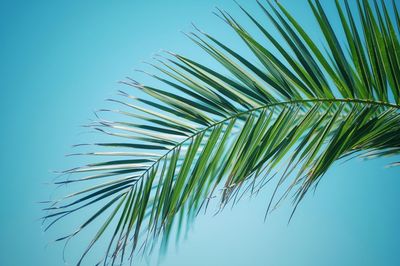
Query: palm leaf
[200, 134]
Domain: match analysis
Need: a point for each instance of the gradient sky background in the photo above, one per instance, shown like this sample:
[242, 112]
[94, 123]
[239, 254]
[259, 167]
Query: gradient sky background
[61, 59]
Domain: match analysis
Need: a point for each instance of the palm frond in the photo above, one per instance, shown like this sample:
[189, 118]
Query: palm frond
[202, 134]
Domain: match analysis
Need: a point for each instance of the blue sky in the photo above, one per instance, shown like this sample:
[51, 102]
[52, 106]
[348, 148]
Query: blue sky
[61, 59]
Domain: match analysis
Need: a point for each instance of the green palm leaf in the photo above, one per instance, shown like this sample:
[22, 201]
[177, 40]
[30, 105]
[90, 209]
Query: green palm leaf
[289, 114]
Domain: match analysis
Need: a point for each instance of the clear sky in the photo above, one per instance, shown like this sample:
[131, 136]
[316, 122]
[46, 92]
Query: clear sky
[61, 59]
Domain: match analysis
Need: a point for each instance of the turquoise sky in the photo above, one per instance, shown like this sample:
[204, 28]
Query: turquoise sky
[61, 59]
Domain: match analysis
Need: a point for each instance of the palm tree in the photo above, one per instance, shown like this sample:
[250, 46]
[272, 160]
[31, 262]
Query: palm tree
[287, 115]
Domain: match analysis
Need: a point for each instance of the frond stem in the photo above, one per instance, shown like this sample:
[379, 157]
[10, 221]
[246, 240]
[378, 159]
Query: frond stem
[291, 102]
